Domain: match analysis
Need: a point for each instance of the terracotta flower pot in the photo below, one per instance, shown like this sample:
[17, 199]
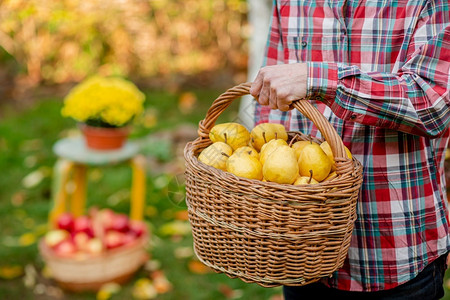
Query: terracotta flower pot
[102, 138]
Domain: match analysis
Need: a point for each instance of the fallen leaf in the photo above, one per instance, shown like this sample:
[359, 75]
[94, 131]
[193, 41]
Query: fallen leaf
[198, 267]
[144, 289]
[160, 282]
[152, 265]
[40, 289]
[11, 272]
[229, 293]
[107, 290]
[150, 211]
[47, 272]
[54, 292]
[96, 174]
[103, 295]
[176, 238]
[118, 197]
[176, 228]
[182, 215]
[34, 178]
[27, 239]
[183, 252]
[226, 291]
[18, 198]
[187, 102]
[30, 276]
[31, 161]
[447, 284]
[161, 181]
[149, 118]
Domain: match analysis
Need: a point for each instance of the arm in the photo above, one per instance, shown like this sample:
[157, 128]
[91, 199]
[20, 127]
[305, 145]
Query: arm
[413, 100]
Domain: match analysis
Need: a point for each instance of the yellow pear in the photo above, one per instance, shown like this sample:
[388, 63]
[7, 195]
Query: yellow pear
[249, 150]
[268, 147]
[314, 158]
[281, 166]
[245, 165]
[332, 176]
[298, 146]
[233, 134]
[326, 147]
[216, 155]
[265, 132]
[305, 180]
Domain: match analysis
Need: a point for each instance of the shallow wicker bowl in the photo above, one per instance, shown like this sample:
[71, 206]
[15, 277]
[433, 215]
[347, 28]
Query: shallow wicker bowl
[89, 273]
[268, 233]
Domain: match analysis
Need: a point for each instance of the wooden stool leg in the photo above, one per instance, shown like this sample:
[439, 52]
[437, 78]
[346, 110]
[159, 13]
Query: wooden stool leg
[79, 195]
[61, 176]
[138, 188]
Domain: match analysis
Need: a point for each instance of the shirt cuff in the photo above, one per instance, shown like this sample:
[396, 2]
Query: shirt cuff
[322, 81]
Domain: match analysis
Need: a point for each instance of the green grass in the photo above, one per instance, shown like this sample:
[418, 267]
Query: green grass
[26, 140]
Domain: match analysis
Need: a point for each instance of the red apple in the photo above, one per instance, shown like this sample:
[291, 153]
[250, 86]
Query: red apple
[106, 217]
[129, 237]
[137, 227]
[65, 221]
[114, 239]
[65, 248]
[81, 240]
[94, 246]
[83, 224]
[54, 237]
[120, 223]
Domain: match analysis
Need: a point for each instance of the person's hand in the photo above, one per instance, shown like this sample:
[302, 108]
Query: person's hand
[280, 85]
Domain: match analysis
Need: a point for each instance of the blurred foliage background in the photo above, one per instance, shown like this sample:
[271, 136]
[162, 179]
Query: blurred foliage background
[182, 54]
[48, 42]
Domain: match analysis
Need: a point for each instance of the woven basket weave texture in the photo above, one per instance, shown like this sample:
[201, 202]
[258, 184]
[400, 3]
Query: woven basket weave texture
[91, 272]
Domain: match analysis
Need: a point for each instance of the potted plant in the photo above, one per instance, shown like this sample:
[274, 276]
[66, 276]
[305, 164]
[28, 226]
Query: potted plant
[105, 107]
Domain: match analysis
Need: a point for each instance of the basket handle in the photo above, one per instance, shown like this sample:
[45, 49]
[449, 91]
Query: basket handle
[343, 163]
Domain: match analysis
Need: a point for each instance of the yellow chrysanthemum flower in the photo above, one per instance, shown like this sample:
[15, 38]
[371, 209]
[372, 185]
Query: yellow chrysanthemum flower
[111, 101]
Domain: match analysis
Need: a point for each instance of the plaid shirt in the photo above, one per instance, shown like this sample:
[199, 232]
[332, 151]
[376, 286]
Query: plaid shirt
[379, 71]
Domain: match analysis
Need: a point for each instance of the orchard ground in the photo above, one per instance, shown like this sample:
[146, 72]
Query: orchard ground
[26, 161]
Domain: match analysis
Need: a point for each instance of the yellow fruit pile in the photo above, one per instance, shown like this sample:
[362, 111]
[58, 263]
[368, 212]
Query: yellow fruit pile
[264, 154]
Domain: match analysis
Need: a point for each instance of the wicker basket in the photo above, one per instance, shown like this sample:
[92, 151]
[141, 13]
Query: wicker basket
[89, 273]
[268, 233]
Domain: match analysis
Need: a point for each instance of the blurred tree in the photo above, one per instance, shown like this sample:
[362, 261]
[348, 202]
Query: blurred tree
[57, 41]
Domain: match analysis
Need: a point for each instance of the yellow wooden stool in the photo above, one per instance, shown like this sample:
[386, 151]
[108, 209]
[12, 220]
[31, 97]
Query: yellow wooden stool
[74, 158]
